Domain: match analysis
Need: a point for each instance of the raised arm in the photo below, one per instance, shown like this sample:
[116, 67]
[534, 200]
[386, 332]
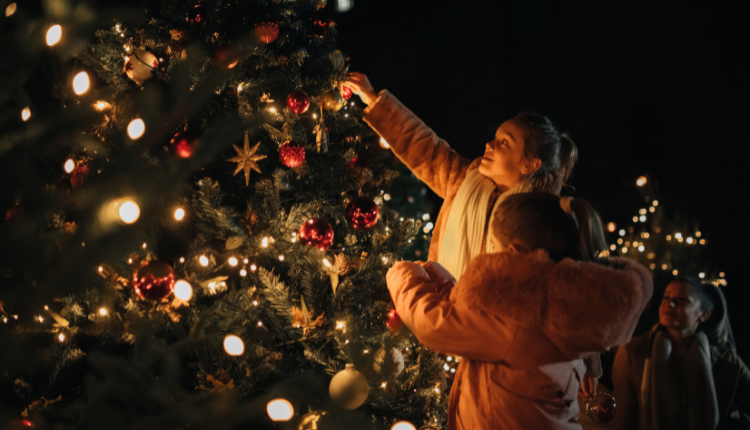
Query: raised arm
[429, 157]
[423, 305]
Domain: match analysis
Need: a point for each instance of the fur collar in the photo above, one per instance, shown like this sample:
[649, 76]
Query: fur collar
[571, 298]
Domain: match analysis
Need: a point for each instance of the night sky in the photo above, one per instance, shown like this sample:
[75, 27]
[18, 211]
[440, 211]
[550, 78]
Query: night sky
[658, 89]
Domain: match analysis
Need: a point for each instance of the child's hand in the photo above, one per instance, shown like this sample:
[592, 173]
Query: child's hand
[361, 86]
[588, 386]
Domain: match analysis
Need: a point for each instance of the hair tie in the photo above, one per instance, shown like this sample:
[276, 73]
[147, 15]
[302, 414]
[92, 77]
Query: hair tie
[565, 204]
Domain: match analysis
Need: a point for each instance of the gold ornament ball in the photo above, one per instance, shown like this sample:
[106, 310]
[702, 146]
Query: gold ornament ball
[309, 421]
[332, 100]
[349, 388]
[139, 66]
[396, 356]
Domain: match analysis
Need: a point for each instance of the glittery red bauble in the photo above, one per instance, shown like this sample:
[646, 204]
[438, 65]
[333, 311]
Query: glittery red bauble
[298, 102]
[197, 15]
[78, 175]
[346, 92]
[317, 233]
[292, 154]
[602, 408]
[183, 143]
[267, 32]
[394, 322]
[361, 213]
[358, 165]
[226, 56]
[154, 281]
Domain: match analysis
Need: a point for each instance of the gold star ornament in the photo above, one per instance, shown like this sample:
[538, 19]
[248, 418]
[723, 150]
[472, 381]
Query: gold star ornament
[246, 159]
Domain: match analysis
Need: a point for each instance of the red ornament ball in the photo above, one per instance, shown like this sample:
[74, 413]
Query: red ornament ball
[316, 233]
[226, 56]
[298, 102]
[267, 32]
[361, 213]
[154, 281]
[197, 15]
[183, 143]
[394, 322]
[346, 92]
[78, 175]
[602, 408]
[358, 164]
[292, 154]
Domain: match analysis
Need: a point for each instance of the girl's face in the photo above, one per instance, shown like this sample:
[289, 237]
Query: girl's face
[680, 309]
[503, 160]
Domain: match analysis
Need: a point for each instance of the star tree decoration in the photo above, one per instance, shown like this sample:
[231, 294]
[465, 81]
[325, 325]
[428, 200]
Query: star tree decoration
[246, 159]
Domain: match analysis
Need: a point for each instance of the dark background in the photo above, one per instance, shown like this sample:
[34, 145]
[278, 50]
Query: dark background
[658, 89]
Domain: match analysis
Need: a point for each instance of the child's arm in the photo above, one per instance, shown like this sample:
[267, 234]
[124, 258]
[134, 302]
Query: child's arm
[429, 157]
[440, 324]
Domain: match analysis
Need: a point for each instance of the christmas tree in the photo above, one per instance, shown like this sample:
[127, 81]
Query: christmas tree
[197, 225]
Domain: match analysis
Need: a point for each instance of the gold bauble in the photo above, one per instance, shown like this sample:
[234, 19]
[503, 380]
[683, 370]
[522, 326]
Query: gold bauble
[396, 356]
[349, 388]
[139, 66]
[332, 100]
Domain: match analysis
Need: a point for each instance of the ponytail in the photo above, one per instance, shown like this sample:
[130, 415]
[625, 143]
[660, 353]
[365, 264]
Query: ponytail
[568, 157]
[591, 239]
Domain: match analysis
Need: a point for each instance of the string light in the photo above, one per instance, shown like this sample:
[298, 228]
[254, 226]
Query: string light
[641, 248]
[405, 425]
[233, 261]
[387, 197]
[102, 105]
[613, 247]
[281, 258]
[264, 242]
[101, 269]
[340, 325]
[697, 234]
[103, 312]
[179, 214]
[40, 319]
[678, 236]
[136, 128]
[675, 272]
[233, 345]
[703, 241]
[255, 303]
[243, 272]
[203, 260]
[280, 410]
[642, 211]
[81, 83]
[326, 262]
[246, 261]
[701, 275]
[129, 212]
[635, 219]
[253, 267]
[145, 245]
[260, 323]
[643, 218]
[641, 181]
[382, 385]
[652, 209]
[61, 337]
[611, 227]
[54, 34]
[183, 290]
[10, 10]
[182, 259]
[721, 274]
[622, 232]
[69, 165]
[384, 144]
[26, 114]
[689, 240]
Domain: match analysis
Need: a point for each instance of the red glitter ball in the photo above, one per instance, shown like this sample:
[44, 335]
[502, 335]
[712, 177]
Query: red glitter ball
[602, 408]
[394, 322]
[79, 174]
[298, 102]
[267, 32]
[154, 281]
[361, 213]
[197, 15]
[346, 92]
[183, 143]
[316, 233]
[292, 154]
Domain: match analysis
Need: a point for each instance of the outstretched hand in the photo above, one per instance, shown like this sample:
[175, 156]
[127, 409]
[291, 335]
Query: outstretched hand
[362, 87]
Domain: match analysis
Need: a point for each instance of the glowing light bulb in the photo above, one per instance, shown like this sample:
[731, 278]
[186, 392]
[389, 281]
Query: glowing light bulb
[643, 218]
[129, 212]
[280, 410]
[203, 260]
[243, 272]
[102, 105]
[183, 290]
[701, 275]
[384, 144]
[264, 242]
[386, 197]
[689, 240]
[697, 234]
[253, 267]
[622, 232]
[326, 262]
[233, 345]
[641, 248]
[721, 274]
[136, 128]
[61, 337]
[69, 165]
[339, 324]
[655, 203]
[103, 312]
[405, 425]
[54, 34]
[652, 209]
[675, 272]
[281, 258]
[611, 227]
[426, 217]
[26, 114]
[81, 83]
[641, 181]
[179, 214]
[678, 235]
[10, 10]
[233, 261]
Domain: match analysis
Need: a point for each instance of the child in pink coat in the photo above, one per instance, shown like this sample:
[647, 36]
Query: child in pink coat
[523, 318]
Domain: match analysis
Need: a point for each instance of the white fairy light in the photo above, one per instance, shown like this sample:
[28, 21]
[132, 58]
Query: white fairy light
[129, 212]
[183, 290]
[81, 83]
[233, 345]
[232, 261]
[26, 114]
[179, 214]
[103, 312]
[54, 34]
[136, 128]
[280, 410]
[203, 260]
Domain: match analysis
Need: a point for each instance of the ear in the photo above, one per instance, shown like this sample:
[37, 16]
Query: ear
[515, 249]
[531, 166]
[705, 315]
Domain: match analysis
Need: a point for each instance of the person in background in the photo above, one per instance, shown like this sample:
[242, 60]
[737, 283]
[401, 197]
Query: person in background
[684, 374]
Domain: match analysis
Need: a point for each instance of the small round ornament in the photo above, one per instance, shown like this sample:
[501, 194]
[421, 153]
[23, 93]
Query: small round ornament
[348, 388]
[197, 15]
[292, 154]
[183, 143]
[346, 92]
[361, 213]
[139, 66]
[358, 164]
[79, 174]
[601, 408]
[394, 322]
[226, 56]
[154, 280]
[267, 32]
[395, 355]
[332, 101]
[298, 102]
[316, 233]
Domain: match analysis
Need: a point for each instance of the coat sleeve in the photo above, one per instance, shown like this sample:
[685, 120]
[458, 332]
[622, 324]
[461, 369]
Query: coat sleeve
[441, 324]
[625, 392]
[427, 156]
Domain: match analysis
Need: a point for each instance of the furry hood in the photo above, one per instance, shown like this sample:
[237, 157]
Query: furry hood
[599, 302]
